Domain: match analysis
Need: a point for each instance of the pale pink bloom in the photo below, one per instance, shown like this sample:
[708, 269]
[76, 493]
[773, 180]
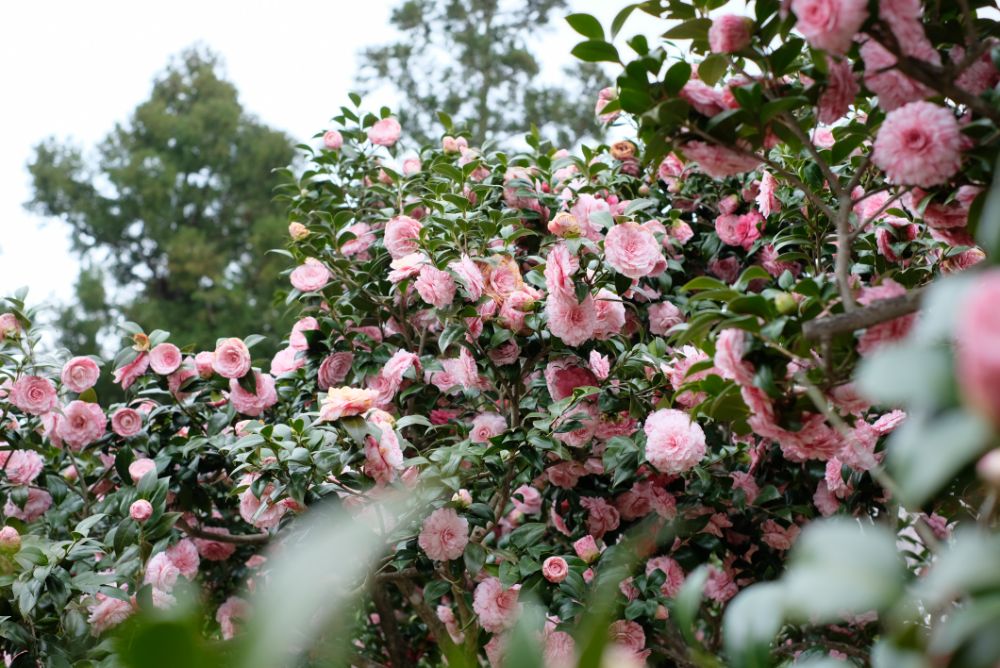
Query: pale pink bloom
[570, 320]
[565, 474]
[33, 394]
[978, 349]
[602, 517]
[978, 77]
[841, 89]
[82, 424]
[527, 500]
[285, 361]
[397, 366]
[600, 365]
[729, 33]
[385, 132]
[310, 276]
[584, 209]
[703, 98]
[610, 315]
[453, 144]
[447, 617]
[345, 401]
[204, 362]
[506, 353]
[718, 161]
[894, 89]
[232, 358]
[297, 231]
[778, 537]
[502, 278]
[469, 275]
[80, 374]
[673, 571]
[297, 339]
[184, 555]
[663, 316]
[233, 608]
[725, 269]
[496, 650]
[555, 569]
[333, 369]
[140, 510]
[730, 348]
[250, 403]
[586, 548]
[720, 586]
[402, 235]
[496, 607]
[815, 440]
[126, 422]
[165, 358]
[129, 373]
[826, 501]
[107, 612]
[406, 266]
[485, 426]
[670, 170]
[435, 287]
[829, 24]
[628, 645]
[262, 512]
[633, 251]
[560, 650]
[383, 457]
[893, 330]
[161, 572]
[680, 375]
[603, 98]
[332, 140]
[177, 379]
[444, 535]
[21, 466]
[674, 442]
[560, 265]
[564, 375]
[214, 550]
[939, 215]
[39, 500]
[739, 230]
[745, 481]
[9, 326]
[10, 540]
[363, 239]
[767, 199]
[140, 467]
[769, 260]
[919, 144]
[411, 166]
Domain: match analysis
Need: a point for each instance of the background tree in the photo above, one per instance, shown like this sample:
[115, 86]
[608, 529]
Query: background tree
[174, 213]
[471, 59]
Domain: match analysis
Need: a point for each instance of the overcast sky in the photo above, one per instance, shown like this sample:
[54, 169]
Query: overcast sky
[73, 69]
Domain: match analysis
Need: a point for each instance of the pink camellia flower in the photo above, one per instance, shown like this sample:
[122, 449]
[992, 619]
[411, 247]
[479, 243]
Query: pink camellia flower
[334, 369]
[233, 608]
[778, 537]
[297, 231]
[345, 401]
[262, 512]
[435, 287]
[165, 358]
[663, 316]
[411, 166]
[297, 339]
[310, 276]
[39, 500]
[80, 374]
[33, 394]
[21, 466]
[204, 363]
[470, 276]
[9, 326]
[739, 230]
[333, 140]
[444, 535]
[978, 349]
[919, 144]
[184, 555]
[527, 500]
[140, 467]
[769, 260]
[570, 320]
[841, 89]
[729, 33]
[385, 132]
[604, 97]
[126, 422]
[140, 510]
[10, 540]
[82, 424]
[830, 24]
[363, 239]
[401, 237]
[705, 99]
[633, 251]
[586, 548]
[564, 375]
[451, 144]
[555, 569]
[214, 550]
[600, 365]
[285, 361]
[730, 348]
[718, 161]
[725, 268]
[630, 640]
[485, 426]
[767, 200]
[161, 572]
[673, 571]
[602, 517]
[253, 404]
[232, 358]
[107, 612]
[129, 373]
[674, 442]
[496, 607]
[894, 89]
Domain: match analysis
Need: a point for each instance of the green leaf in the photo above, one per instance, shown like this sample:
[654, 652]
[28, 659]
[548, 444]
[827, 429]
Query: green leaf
[619, 21]
[753, 618]
[704, 283]
[712, 69]
[475, 557]
[692, 29]
[586, 25]
[839, 567]
[595, 51]
[678, 75]
[450, 334]
[926, 452]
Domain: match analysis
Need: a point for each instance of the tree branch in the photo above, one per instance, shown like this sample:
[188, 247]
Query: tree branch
[878, 312]
[248, 539]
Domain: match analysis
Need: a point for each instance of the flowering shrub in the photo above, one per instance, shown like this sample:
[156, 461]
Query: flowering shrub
[616, 386]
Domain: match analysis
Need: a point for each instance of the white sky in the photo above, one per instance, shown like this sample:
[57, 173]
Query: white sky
[73, 69]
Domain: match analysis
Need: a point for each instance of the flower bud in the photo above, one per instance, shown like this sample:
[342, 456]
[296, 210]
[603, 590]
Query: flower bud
[462, 498]
[10, 540]
[785, 303]
[140, 342]
[141, 510]
[298, 231]
[988, 468]
[333, 140]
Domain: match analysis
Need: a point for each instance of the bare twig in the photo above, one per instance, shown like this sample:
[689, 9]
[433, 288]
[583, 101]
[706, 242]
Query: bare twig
[236, 539]
[878, 312]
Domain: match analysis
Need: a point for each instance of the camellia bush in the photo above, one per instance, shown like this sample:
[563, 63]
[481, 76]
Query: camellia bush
[725, 393]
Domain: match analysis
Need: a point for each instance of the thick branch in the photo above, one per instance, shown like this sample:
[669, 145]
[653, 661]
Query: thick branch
[394, 640]
[249, 539]
[880, 311]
